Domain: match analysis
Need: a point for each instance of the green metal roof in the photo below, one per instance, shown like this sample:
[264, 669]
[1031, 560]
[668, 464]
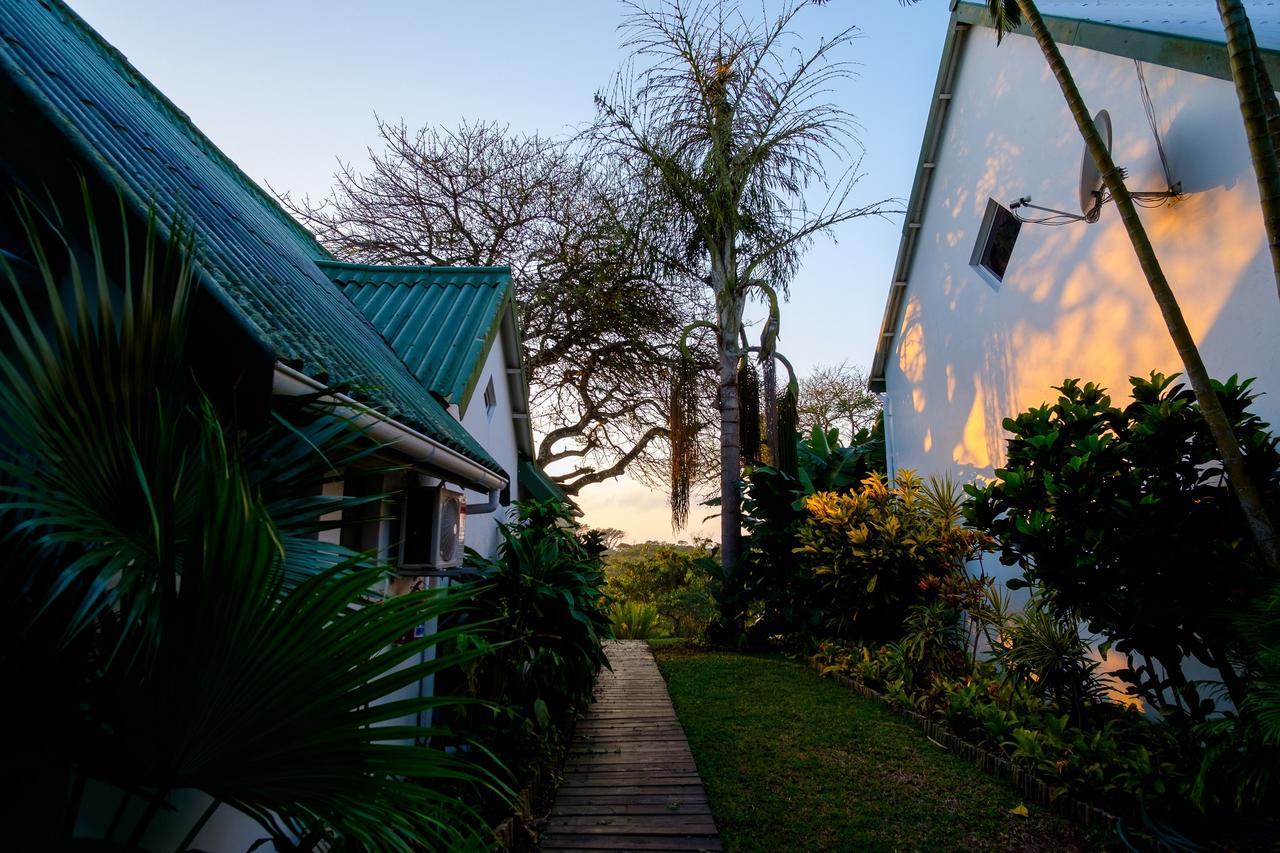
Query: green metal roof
[255, 258]
[534, 483]
[440, 320]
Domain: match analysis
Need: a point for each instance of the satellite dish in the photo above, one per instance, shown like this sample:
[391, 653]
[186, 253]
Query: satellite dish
[1090, 177]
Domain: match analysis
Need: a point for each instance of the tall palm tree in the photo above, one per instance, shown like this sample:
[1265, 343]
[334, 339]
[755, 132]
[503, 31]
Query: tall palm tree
[732, 119]
[1261, 113]
[1008, 15]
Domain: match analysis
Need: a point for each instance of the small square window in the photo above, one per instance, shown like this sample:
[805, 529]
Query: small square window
[490, 399]
[994, 248]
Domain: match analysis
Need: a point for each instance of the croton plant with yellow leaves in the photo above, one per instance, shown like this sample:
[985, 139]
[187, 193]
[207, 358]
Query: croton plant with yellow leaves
[884, 547]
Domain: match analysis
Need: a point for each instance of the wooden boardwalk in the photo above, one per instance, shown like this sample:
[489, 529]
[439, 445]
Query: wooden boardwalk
[630, 781]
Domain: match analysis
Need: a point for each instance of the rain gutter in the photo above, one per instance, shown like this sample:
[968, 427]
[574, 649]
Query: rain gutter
[421, 449]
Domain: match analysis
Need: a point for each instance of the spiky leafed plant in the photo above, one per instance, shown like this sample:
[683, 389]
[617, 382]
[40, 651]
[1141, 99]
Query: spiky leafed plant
[161, 627]
[1007, 16]
[733, 123]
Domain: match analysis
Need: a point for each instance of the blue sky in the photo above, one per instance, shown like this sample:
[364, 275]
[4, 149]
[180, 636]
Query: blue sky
[287, 87]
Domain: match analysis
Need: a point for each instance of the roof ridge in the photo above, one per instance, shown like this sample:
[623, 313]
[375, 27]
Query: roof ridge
[1110, 17]
[335, 263]
[149, 89]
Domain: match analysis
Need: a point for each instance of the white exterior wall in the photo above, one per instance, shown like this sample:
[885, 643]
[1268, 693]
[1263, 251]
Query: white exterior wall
[496, 433]
[1073, 302]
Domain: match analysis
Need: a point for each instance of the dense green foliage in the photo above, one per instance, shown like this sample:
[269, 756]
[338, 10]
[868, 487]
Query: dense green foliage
[167, 618]
[1124, 515]
[1037, 697]
[1129, 541]
[880, 549]
[633, 620]
[791, 762]
[541, 599]
[773, 593]
[674, 580]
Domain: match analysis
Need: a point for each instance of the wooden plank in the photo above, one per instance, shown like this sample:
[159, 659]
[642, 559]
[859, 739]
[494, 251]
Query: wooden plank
[690, 844]
[625, 792]
[649, 824]
[630, 782]
[567, 809]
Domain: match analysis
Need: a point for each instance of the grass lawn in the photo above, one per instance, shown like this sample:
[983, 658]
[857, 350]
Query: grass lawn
[795, 762]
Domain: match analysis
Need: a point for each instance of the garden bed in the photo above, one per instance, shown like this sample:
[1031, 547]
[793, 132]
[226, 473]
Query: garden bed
[1028, 784]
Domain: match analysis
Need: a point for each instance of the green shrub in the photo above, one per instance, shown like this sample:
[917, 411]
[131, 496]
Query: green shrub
[1043, 651]
[168, 617]
[880, 550]
[546, 617]
[673, 579]
[773, 593]
[635, 620]
[1123, 515]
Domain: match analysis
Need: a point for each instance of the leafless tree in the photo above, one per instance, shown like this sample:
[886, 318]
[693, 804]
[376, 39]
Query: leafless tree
[836, 397]
[600, 302]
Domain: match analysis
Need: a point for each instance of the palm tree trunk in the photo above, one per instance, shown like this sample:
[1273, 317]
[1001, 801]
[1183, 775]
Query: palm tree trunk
[729, 308]
[1261, 112]
[1243, 486]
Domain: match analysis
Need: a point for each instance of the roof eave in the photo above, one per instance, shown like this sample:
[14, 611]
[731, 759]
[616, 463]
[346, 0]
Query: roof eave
[468, 389]
[951, 50]
[400, 437]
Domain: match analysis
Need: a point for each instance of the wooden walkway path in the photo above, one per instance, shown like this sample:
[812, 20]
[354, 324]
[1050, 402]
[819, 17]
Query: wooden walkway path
[630, 782]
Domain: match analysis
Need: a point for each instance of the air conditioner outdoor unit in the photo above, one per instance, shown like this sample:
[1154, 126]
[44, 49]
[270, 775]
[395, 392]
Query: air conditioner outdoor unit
[432, 531]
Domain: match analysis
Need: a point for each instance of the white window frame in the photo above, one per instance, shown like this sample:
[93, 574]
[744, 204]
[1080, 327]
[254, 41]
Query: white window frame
[490, 399]
[979, 248]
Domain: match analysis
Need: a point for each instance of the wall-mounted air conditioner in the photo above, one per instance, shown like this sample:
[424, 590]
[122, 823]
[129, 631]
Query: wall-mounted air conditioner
[432, 528]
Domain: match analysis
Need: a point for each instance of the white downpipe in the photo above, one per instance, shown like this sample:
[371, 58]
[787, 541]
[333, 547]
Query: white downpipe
[487, 508]
[288, 382]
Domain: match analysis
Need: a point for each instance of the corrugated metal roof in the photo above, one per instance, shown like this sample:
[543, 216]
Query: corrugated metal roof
[1195, 19]
[535, 483]
[440, 320]
[262, 260]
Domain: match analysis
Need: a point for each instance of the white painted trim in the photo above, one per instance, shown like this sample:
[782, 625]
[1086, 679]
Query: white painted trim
[288, 382]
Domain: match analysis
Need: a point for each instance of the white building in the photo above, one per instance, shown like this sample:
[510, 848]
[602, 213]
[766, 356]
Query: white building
[440, 391]
[455, 328]
[969, 339]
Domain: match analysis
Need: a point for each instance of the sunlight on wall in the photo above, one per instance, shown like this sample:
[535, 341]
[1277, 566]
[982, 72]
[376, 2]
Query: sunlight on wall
[911, 359]
[971, 450]
[1074, 302]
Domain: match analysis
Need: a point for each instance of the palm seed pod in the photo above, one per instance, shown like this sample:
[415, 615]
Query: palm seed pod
[787, 432]
[683, 429]
[749, 412]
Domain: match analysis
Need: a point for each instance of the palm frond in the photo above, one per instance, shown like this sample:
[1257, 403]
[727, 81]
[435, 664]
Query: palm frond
[164, 625]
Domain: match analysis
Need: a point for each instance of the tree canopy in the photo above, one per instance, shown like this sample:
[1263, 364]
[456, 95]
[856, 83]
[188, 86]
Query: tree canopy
[730, 116]
[591, 255]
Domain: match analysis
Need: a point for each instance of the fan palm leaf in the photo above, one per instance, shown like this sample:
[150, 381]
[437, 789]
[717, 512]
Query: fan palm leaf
[167, 622]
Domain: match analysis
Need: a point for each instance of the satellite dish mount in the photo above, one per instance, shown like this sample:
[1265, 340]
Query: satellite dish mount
[1093, 191]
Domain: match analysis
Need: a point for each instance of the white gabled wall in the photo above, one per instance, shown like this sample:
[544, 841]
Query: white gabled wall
[496, 433]
[1074, 302]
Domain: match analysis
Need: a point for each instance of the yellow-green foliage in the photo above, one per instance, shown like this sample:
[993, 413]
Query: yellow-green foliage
[633, 620]
[883, 547]
[672, 578]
